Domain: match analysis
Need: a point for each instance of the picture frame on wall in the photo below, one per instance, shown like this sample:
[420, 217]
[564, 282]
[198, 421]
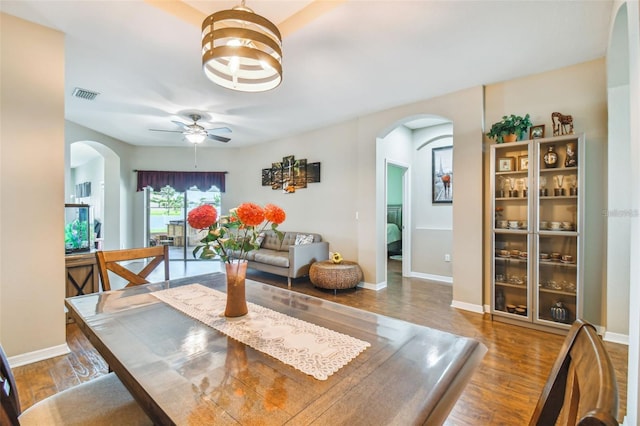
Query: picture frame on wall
[313, 172]
[442, 175]
[506, 164]
[266, 177]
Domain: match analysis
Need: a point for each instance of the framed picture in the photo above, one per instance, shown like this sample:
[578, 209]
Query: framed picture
[506, 164]
[523, 163]
[313, 172]
[442, 175]
[266, 177]
[536, 132]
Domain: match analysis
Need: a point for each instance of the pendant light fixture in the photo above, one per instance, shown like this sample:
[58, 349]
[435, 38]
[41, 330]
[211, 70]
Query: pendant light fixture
[241, 50]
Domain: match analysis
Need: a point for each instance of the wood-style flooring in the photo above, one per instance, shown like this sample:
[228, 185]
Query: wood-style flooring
[502, 391]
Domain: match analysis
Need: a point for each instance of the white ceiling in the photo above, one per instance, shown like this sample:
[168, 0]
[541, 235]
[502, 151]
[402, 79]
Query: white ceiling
[342, 58]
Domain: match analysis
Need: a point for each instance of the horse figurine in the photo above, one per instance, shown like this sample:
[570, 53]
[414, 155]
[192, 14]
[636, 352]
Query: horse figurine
[560, 123]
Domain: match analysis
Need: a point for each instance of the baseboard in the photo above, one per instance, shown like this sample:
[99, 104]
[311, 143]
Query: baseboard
[622, 339]
[431, 277]
[487, 309]
[478, 309]
[39, 355]
[371, 286]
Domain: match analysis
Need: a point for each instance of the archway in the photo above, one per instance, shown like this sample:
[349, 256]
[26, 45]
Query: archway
[102, 166]
[402, 144]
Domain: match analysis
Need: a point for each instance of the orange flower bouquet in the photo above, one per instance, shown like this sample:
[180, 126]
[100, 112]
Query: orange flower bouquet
[234, 235]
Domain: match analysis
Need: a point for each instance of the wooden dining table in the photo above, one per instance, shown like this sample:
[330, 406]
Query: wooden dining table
[184, 372]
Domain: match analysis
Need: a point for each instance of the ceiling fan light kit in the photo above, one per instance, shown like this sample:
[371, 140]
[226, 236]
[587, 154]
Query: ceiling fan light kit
[241, 50]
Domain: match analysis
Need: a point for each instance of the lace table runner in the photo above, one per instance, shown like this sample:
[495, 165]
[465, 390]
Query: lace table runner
[312, 349]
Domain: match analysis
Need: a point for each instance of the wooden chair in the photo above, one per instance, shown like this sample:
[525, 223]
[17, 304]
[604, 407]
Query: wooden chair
[102, 401]
[581, 389]
[109, 261]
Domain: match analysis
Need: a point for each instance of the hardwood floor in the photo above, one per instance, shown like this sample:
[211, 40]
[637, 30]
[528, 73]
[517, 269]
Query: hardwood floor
[503, 390]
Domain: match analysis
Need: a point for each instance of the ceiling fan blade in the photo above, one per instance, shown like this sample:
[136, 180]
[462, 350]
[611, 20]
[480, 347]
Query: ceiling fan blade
[179, 123]
[170, 131]
[220, 130]
[219, 138]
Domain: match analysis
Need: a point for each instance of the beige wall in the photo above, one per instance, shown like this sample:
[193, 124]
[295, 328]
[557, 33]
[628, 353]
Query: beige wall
[580, 91]
[31, 188]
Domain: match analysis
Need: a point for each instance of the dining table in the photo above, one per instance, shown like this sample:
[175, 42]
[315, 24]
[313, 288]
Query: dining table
[183, 371]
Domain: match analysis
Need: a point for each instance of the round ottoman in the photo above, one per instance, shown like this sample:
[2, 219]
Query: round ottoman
[335, 276]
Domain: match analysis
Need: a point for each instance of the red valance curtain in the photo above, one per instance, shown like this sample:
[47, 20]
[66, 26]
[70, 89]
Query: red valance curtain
[180, 181]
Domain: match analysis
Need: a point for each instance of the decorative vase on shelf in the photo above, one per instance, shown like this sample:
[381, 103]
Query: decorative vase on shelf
[559, 312]
[551, 157]
[571, 159]
[236, 298]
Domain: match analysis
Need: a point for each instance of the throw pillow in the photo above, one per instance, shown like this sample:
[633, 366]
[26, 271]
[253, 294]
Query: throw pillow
[260, 239]
[303, 239]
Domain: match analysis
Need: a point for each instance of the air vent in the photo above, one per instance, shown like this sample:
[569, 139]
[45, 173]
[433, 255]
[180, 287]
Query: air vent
[84, 94]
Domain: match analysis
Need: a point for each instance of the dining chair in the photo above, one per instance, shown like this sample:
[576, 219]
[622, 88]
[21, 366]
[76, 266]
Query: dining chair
[101, 401]
[110, 261]
[581, 389]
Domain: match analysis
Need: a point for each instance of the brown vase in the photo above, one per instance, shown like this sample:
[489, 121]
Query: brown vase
[510, 137]
[236, 299]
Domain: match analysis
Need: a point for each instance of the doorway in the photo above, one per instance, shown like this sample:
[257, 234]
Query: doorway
[396, 200]
[166, 218]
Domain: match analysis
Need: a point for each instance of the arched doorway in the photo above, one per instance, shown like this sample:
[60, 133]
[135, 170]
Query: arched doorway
[91, 161]
[408, 144]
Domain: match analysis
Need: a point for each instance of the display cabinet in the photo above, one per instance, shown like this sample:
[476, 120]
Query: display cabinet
[537, 204]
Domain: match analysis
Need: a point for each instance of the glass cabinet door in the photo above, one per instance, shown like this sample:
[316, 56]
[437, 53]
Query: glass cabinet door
[511, 229]
[558, 230]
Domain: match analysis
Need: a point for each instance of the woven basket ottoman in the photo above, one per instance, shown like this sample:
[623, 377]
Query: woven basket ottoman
[335, 276]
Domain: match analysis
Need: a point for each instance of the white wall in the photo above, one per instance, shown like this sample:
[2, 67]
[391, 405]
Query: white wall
[432, 223]
[32, 271]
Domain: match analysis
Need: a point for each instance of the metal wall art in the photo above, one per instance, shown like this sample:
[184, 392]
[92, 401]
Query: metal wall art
[290, 174]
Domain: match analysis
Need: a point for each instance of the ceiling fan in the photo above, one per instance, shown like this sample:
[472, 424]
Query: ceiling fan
[195, 133]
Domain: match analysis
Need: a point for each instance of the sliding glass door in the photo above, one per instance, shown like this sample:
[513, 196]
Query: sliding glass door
[167, 211]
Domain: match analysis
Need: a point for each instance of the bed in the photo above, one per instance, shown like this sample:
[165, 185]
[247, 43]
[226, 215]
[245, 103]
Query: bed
[394, 229]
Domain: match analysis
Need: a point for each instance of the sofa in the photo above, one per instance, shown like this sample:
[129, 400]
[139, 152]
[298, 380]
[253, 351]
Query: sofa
[287, 258]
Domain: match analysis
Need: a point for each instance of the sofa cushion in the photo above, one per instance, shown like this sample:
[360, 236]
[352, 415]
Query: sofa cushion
[260, 239]
[303, 239]
[272, 257]
[290, 239]
[271, 241]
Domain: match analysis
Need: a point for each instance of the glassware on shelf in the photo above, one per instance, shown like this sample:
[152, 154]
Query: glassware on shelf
[522, 187]
[559, 191]
[500, 193]
[572, 180]
[543, 186]
[512, 184]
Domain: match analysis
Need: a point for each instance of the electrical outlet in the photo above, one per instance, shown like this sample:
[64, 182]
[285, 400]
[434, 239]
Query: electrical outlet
[447, 257]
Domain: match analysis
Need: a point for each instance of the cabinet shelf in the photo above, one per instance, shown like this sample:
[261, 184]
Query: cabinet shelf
[511, 198]
[518, 286]
[560, 264]
[558, 197]
[561, 292]
[511, 259]
[538, 212]
[559, 169]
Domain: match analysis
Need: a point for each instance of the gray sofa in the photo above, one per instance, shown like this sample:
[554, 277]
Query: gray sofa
[286, 258]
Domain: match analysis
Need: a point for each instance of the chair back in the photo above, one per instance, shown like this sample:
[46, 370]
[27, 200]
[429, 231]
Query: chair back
[582, 388]
[9, 401]
[109, 261]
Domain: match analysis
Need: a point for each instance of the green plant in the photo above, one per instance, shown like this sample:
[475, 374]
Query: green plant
[167, 198]
[510, 124]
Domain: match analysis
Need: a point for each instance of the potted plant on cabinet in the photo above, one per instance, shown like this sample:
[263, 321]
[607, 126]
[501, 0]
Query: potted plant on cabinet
[510, 128]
